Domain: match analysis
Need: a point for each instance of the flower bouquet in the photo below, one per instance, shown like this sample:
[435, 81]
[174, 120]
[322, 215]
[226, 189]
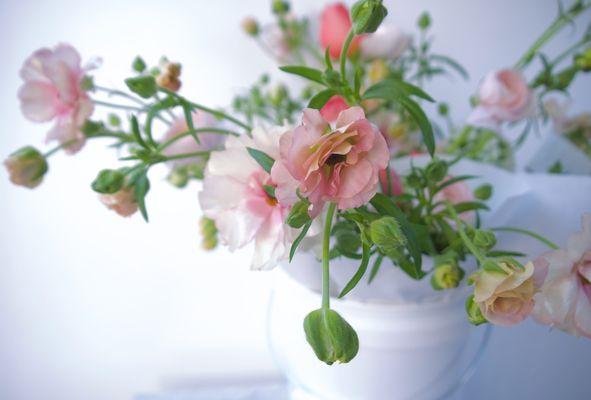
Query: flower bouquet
[349, 172]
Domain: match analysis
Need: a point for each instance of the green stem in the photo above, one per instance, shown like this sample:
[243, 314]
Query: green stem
[119, 106]
[325, 257]
[59, 147]
[170, 141]
[527, 233]
[183, 155]
[344, 52]
[560, 21]
[115, 92]
[473, 249]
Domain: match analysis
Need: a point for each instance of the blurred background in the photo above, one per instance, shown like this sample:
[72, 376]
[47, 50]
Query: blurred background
[93, 306]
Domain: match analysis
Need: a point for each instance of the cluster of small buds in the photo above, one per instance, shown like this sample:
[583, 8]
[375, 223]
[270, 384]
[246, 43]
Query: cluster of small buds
[169, 76]
[209, 233]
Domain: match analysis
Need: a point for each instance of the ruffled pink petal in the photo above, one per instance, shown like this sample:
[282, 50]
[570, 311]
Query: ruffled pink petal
[38, 101]
[285, 192]
[313, 121]
[583, 315]
[349, 116]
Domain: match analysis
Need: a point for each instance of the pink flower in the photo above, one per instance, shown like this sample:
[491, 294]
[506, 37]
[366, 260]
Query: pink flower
[122, 202]
[333, 108]
[234, 196]
[505, 298]
[455, 193]
[187, 144]
[52, 91]
[564, 300]
[338, 164]
[335, 24]
[395, 183]
[503, 96]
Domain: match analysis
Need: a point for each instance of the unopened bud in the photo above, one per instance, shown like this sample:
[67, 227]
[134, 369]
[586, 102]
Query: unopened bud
[250, 26]
[144, 86]
[138, 65]
[484, 239]
[280, 7]
[298, 215]
[483, 192]
[437, 170]
[108, 181]
[446, 276]
[443, 109]
[178, 177]
[209, 233]
[26, 167]
[583, 60]
[424, 21]
[367, 15]
[331, 337]
[387, 235]
[169, 76]
[474, 312]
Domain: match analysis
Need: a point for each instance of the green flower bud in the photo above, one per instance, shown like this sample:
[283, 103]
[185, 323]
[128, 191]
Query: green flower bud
[280, 7]
[484, 239]
[250, 26]
[474, 313]
[446, 276]
[414, 181]
[26, 167]
[564, 78]
[332, 78]
[114, 120]
[178, 177]
[583, 60]
[443, 109]
[367, 15]
[90, 127]
[424, 21]
[87, 83]
[138, 65]
[436, 170]
[387, 235]
[331, 337]
[483, 192]
[298, 215]
[209, 233]
[347, 238]
[108, 181]
[144, 86]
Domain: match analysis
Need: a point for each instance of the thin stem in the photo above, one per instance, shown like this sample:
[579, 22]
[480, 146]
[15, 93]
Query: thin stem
[115, 92]
[170, 141]
[569, 51]
[527, 233]
[59, 147]
[344, 52]
[183, 155]
[119, 106]
[473, 249]
[325, 257]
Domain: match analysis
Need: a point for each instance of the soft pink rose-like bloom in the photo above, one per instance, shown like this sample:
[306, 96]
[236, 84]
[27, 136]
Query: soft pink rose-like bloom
[387, 42]
[503, 96]
[333, 108]
[52, 91]
[234, 197]
[395, 183]
[187, 144]
[505, 298]
[335, 24]
[338, 164]
[122, 202]
[564, 300]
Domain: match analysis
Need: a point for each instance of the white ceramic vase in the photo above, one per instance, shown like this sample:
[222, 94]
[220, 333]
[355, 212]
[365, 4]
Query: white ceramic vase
[409, 349]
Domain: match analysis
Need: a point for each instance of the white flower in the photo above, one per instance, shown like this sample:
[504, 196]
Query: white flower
[234, 197]
[388, 42]
[564, 300]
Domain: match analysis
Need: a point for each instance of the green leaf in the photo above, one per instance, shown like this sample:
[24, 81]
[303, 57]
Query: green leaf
[262, 158]
[297, 241]
[189, 118]
[504, 253]
[386, 206]
[422, 121]
[305, 72]
[470, 206]
[141, 188]
[375, 268]
[451, 63]
[144, 86]
[270, 190]
[327, 59]
[451, 181]
[527, 233]
[394, 89]
[320, 99]
[360, 272]
[135, 130]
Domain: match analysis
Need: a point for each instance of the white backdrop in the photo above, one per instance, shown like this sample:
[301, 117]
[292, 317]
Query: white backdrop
[96, 307]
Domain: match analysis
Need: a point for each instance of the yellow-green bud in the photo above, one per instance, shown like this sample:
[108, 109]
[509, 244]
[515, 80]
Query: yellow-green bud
[424, 21]
[474, 313]
[250, 26]
[26, 167]
[367, 15]
[483, 192]
[280, 7]
[331, 337]
[443, 109]
[484, 239]
[583, 60]
[387, 235]
[446, 276]
[298, 215]
[144, 86]
[436, 170]
[108, 181]
[178, 177]
[209, 233]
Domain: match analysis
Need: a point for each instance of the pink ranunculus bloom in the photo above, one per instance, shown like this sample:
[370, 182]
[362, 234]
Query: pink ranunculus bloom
[387, 42]
[564, 301]
[395, 188]
[234, 196]
[503, 96]
[187, 144]
[122, 202]
[505, 298]
[333, 108]
[337, 164]
[52, 91]
[335, 24]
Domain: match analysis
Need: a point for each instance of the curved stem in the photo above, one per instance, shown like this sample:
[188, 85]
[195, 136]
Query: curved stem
[60, 146]
[170, 141]
[344, 52]
[116, 92]
[325, 257]
[119, 106]
[473, 249]
[183, 155]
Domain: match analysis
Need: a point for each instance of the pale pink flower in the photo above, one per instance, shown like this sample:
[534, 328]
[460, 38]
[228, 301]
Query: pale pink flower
[335, 24]
[395, 187]
[564, 300]
[122, 202]
[52, 91]
[503, 96]
[387, 42]
[187, 144]
[339, 164]
[234, 196]
[505, 298]
[333, 107]
[455, 193]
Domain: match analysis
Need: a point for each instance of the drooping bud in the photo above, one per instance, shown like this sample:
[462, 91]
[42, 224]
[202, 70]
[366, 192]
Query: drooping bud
[108, 181]
[123, 202]
[298, 215]
[250, 26]
[446, 276]
[484, 239]
[209, 233]
[144, 86]
[483, 192]
[378, 70]
[178, 177]
[169, 76]
[387, 235]
[26, 167]
[367, 15]
[475, 316]
[331, 337]
[436, 170]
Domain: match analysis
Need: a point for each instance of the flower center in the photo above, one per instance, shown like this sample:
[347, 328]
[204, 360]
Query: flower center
[334, 159]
